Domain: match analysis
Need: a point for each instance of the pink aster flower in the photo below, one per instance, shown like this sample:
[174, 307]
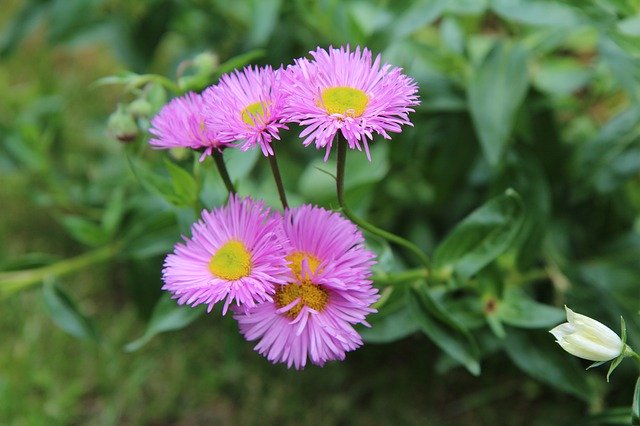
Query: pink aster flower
[328, 291]
[344, 91]
[247, 106]
[234, 254]
[180, 124]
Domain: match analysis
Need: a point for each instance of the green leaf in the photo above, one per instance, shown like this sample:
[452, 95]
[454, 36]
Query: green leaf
[538, 12]
[114, 211]
[624, 66]
[536, 354]
[448, 335]
[393, 322]
[419, 14]
[561, 76]
[167, 316]
[519, 310]
[635, 405]
[184, 185]
[240, 163]
[621, 416]
[65, 313]
[609, 159]
[178, 189]
[264, 19]
[630, 26]
[239, 61]
[496, 89]
[482, 236]
[317, 183]
[85, 231]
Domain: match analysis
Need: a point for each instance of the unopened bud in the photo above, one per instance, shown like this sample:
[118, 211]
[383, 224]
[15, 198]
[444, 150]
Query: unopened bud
[122, 126]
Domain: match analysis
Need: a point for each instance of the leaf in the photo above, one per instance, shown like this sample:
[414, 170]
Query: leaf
[538, 12]
[482, 236]
[419, 14]
[496, 89]
[112, 215]
[607, 160]
[264, 19]
[519, 310]
[447, 335]
[561, 76]
[624, 66]
[184, 185]
[536, 354]
[393, 322]
[239, 61]
[635, 405]
[167, 316]
[317, 182]
[65, 313]
[84, 230]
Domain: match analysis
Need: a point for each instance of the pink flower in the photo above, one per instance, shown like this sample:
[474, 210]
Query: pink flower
[181, 124]
[246, 105]
[344, 91]
[234, 254]
[329, 290]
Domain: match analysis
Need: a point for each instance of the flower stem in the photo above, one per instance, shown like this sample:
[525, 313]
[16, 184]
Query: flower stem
[14, 281]
[222, 169]
[276, 176]
[401, 277]
[342, 160]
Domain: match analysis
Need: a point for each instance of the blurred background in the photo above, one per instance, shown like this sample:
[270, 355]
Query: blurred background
[541, 96]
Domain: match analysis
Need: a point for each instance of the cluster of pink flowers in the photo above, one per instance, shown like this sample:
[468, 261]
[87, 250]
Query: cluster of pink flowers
[339, 90]
[297, 282]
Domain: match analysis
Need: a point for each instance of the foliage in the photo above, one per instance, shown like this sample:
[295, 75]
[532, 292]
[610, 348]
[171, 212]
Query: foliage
[520, 177]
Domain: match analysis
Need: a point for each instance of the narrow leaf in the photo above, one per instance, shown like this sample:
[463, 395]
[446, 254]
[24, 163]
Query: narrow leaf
[482, 236]
[65, 313]
[495, 92]
[458, 344]
[167, 316]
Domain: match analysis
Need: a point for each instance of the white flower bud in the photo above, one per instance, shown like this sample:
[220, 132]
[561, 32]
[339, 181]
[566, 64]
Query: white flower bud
[587, 338]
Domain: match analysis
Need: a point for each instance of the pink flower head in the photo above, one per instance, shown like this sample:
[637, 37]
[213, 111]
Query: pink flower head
[234, 254]
[328, 291]
[181, 124]
[341, 90]
[247, 105]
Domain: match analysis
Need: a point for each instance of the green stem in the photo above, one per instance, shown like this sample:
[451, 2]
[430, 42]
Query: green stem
[14, 281]
[342, 160]
[222, 169]
[276, 176]
[401, 277]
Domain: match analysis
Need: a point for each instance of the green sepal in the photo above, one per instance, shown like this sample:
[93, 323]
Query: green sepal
[596, 364]
[623, 352]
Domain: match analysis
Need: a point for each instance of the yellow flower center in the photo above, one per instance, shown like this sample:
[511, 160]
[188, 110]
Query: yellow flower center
[310, 295]
[295, 263]
[255, 113]
[231, 262]
[344, 101]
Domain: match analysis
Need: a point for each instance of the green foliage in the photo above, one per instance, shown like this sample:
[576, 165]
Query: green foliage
[519, 178]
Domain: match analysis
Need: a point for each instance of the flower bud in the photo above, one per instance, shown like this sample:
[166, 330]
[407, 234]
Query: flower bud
[122, 126]
[587, 338]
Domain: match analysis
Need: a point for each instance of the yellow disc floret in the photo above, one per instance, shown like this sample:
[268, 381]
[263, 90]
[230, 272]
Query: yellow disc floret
[254, 113]
[295, 263]
[231, 262]
[346, 101]
[311, 295]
